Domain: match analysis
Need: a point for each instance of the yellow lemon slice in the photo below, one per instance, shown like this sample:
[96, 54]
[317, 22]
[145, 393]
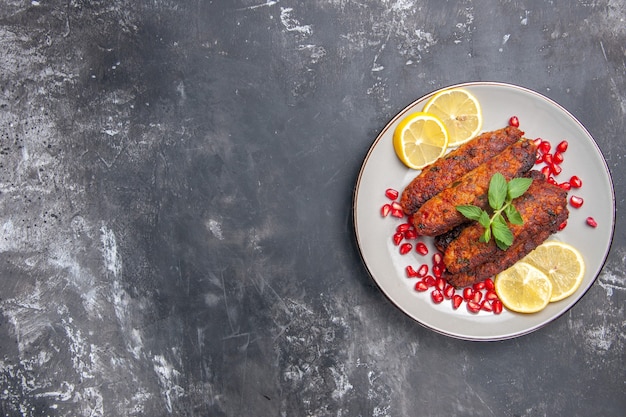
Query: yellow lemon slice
[562, 263]
[523, 288]
[460, 111]
[420, 139]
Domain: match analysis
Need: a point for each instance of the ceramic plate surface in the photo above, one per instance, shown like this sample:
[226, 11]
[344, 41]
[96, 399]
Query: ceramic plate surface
[539, 117]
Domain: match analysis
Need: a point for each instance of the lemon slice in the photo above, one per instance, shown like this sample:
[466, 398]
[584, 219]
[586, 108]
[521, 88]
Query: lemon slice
[420, 139]
[523, 288]
[562, 263]
[460, 111]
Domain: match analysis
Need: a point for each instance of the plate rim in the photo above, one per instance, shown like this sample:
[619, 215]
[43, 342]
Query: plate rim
[402, 113]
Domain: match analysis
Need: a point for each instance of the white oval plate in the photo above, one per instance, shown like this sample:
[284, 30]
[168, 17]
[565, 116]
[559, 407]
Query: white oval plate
[539, 117]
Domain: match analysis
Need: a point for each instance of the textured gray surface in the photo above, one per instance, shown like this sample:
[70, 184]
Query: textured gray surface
[175, 193]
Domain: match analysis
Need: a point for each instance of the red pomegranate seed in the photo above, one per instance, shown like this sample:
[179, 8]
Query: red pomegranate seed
[403, 227]
[473, 307]
[405, 248]
[456, 301]
[410, 272]
[576, 182]
[489, 285]
[576, 201]
[491, 295]
[449, 291]
[562, 146]
[566, 186]
[391, 193]
[410, 234]
[514, 121]
[537, 142]
[479, 286]
[562, 226]
[437, 296]
[486, 305]
[430, 280]
[421, 286]
[440, 283]
[546, 171]
[558, 158]
[437, 258]
[497, 306]
[397, 238]
[538, 158]
[556, 169]
[592, 222]
[547, 158]
[385, 210]
[438, 270]
[477, 296]
[422, 271]
[421, 248]
[468, 293]
[397, 213]
[396, 206]
[545, 147]
[552, 181]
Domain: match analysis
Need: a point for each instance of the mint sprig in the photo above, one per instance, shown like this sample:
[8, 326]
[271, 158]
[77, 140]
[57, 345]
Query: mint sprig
[501, 195]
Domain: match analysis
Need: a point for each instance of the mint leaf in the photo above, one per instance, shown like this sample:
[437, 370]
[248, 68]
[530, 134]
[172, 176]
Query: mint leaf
[513, 215]
[471, 212]
[518, 186]
[501, 232]
[497, 191]
[484, 220]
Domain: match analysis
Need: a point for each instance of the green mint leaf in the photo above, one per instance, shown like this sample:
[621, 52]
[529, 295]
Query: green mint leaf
[471, 212]
[497, 191]
[501, 232]
[518, 186]
[485, 237]
[513, 215]
[484, 220]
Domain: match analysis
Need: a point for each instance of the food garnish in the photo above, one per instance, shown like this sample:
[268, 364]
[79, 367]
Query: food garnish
[523, 288]
[501, 195]
[420, 139]
[459, 111]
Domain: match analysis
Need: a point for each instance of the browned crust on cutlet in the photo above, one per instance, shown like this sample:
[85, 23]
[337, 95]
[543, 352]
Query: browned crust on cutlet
[439, 214]
[503, 259]
[442, 172]
[539, 208]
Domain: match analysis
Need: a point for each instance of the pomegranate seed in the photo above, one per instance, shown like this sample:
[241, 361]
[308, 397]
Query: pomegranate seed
[562, 226]
[440, 283]
[558, 158]
[410, 234]
[592, 222]
[545, 147]
[391, 193]
[556, 169]
[405, 248]
[547, 158]
[437, 258]
[410, 272]
[477, 296]
[385, 209]
[479, 286]
[538, 158]
[552, 181]
[473, 307]
[403, 227]
[437, 296]
[397, 238]
[430, 280]
[486, 305]
[489, 285]
[497, 306]
[468, 293]
[421, 286]
[491, 295]
[421, 248]
[437, 270]
[576, 182]
[449, 291]
[576, 201]
[422, 271]
[546, 171]
[537, 142]
[456, 301]
[562, 146]
[514, 121]
[397, 213]
[396, 206]
[566, 186]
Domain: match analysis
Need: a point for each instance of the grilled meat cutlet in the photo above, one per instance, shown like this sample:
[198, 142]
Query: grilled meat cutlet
[439, 214]
[504, 259]
[442, 172]
[540, 207]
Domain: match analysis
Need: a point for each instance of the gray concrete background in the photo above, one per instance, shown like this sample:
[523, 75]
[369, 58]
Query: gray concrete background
[175, 204]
